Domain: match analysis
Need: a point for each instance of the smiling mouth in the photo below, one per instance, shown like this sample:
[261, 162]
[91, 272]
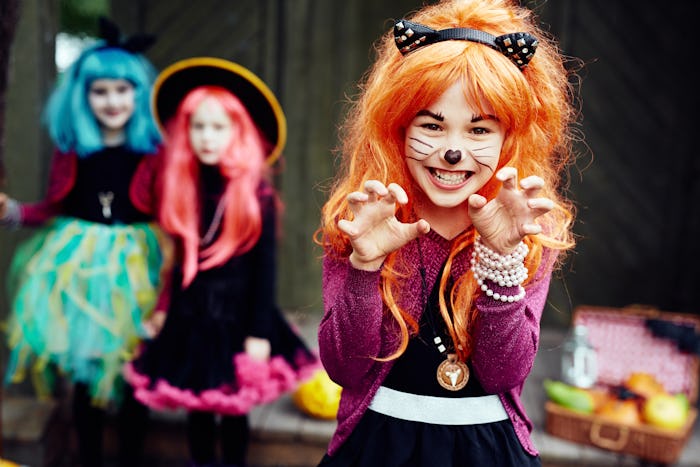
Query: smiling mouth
[450, 177]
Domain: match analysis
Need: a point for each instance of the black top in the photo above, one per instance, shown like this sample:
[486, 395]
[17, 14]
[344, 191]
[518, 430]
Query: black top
[101, 189]
[415, 371]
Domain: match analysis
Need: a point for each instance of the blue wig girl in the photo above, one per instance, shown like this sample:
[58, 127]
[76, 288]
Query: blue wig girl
[68, 117]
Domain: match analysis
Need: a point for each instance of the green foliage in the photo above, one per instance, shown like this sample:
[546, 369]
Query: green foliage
[79, 17]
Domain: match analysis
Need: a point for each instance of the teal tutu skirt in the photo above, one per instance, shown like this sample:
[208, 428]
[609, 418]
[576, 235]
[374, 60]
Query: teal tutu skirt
[79, 293]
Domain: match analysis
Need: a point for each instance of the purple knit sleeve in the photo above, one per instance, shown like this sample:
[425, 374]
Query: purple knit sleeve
[507, 334]
[350, 331]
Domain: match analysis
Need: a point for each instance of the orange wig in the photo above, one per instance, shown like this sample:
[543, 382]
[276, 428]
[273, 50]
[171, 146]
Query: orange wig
[535, 106]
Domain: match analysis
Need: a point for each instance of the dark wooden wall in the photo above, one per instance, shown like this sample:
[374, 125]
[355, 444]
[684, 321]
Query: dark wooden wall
[27, 148]
[636, 183]
[638, 188]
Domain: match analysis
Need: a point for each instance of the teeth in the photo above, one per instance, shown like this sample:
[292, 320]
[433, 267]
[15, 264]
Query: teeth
[449, 178]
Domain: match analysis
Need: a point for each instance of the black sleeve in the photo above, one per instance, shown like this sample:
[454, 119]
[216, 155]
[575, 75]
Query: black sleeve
[264, 272]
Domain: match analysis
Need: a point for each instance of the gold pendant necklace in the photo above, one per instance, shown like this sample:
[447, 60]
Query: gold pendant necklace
[452, 374]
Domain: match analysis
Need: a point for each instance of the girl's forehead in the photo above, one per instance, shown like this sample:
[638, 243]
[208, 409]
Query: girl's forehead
[210, 104]
[461, 94]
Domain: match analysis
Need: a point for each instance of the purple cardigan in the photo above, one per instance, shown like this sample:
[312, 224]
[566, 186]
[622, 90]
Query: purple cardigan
[355, 327]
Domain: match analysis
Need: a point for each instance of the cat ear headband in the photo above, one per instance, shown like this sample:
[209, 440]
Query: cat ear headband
[112, 36]
[519, 47]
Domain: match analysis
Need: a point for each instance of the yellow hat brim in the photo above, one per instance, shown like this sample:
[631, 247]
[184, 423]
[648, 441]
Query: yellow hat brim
[175, 81]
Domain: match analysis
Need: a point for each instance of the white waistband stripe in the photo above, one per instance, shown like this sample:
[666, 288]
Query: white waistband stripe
[438, 410]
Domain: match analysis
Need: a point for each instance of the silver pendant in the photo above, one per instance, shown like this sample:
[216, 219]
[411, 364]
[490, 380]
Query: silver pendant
[453, 374]
[106, 202]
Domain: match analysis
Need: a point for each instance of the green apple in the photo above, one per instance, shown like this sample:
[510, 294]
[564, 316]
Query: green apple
[665, 411]
[684, 400]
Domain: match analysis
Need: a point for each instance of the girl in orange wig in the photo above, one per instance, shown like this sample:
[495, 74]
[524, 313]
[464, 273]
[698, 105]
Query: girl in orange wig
[224, 346]
[438, 255]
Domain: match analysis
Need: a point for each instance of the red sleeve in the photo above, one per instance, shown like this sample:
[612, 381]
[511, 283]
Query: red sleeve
[61, 181]
[143, 190]
[163, 303]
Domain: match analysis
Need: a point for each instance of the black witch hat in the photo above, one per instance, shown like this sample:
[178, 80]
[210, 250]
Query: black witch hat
[178, 79]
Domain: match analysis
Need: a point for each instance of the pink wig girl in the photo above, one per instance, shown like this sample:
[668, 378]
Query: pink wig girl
[242, 166]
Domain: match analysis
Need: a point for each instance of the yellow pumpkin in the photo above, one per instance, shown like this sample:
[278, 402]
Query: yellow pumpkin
[6, 463]
[318, 397]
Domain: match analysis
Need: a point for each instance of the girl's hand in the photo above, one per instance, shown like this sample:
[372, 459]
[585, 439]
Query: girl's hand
[257, 348]
[505, 220]
[154, 323]
[3, 205]
[374, 231]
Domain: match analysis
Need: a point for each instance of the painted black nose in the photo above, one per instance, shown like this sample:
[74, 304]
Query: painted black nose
[452, 157]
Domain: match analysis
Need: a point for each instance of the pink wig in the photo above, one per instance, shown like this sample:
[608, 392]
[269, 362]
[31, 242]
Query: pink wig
[242, 166]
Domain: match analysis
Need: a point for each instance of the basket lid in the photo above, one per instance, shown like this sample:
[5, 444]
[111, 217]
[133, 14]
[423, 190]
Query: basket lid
[624, 345]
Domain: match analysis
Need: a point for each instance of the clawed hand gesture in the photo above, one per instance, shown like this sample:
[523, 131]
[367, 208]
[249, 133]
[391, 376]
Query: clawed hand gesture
[502, 222]
[375, 232]
[505, 220]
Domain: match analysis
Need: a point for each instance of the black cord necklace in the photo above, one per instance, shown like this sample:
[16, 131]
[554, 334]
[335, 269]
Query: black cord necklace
[215, 223]
[452, 374]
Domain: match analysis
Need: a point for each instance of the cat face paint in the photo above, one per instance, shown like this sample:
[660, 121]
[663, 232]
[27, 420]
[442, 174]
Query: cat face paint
[451, 126]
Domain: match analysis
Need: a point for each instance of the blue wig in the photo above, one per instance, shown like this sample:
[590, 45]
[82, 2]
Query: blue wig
[69, 119]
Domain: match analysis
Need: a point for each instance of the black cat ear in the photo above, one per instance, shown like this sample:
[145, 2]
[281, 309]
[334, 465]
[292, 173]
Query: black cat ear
[519, 47]
[109, 31]
[111, 34]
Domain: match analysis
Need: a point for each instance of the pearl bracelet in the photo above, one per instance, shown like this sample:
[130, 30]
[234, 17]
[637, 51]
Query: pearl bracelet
[505, 270]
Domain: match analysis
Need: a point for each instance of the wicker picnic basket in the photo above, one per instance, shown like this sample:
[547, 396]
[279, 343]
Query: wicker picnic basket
[624, 344]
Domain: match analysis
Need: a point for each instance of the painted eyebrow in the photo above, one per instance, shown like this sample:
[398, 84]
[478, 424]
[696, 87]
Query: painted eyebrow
[428, 113]
[441, 118]
[478, 118]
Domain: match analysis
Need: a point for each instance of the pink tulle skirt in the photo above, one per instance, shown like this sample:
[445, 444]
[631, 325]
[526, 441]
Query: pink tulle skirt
[258, 383]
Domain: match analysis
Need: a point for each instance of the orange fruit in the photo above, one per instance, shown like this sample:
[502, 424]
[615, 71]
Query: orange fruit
[620, 411]
[600, 397]
[644, 384]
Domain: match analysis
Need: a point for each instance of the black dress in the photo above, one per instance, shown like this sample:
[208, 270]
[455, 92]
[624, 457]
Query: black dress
[197, 360]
